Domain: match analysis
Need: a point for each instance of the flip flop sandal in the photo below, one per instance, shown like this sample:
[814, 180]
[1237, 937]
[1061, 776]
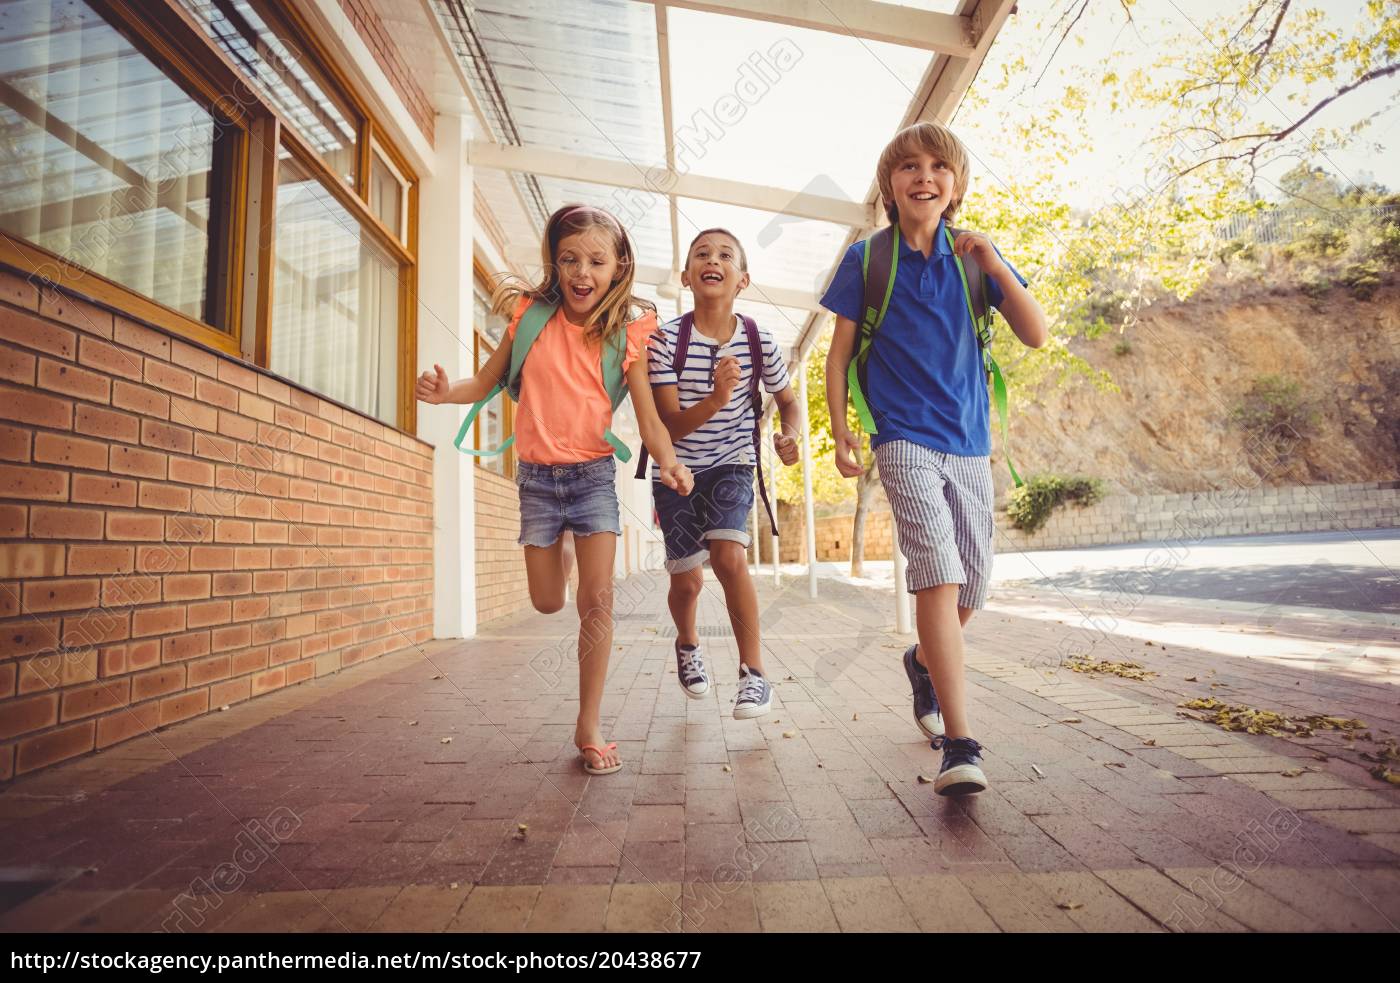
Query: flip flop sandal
[602, 753]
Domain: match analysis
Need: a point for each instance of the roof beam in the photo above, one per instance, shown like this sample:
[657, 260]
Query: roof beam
[777, 296]
[663, 181]
[949, 34]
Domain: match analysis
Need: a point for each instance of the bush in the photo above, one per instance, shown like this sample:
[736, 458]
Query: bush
[1031, 505]
[1124, 347]
[1362, 279]
[1275, 412]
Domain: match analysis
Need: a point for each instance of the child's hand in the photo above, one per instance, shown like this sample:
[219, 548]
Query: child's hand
[433, 387]
[979, 247]
[677, 478]
[848, 454]
[727, 375]
[786, 447]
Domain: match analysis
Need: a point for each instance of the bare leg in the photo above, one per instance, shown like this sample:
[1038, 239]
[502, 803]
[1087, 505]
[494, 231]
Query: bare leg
[941, 653]
[595, 633]
[684, 599]
[544, 570]
[730, 563]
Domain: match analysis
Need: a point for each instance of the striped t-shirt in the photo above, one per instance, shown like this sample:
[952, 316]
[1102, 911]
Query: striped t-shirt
[726, 437]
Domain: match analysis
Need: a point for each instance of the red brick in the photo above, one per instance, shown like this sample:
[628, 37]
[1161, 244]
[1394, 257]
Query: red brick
[26, 715]
[291, 419]
[221, 450]
[237, 427]
[140, 337]
[28, 637]
[130, 657]
[131, 722]
[191, 414]
[93, 489]
[21, 291]
[130, 590]
[38, 484]
[284, 652]
[251, 660]
[15, 444]
[232, 637]
[187, 587]
[158, 621]
[300, 672]
[189, 529]
[157, 682]
[9, 600]
[60, 595]
[143, 464]
[28, 406]
[100, 559]
[163, 558]
[75, 312]
[230, 692]
[266, 682]
[190, 357]
[250, 558]
[208, 613]
[16, 366]
[233, 531]
[177, 648]
[75, 452]
[39, 752]
[171, 498]
[23, 328]
[255, 407]
[73, 381]
[140, 399]
[108, 424]
[269, 581]
[166, 436]
[54, 670]
[216, 394]
[173, 709]
[190, 471]
[109, 358]
[211, 558]
[274, 389]
[258, 458]
[95, 698]
[270, 532]
[127, 526]
[207, 671]
[252, 507]
[232, 583]
[170, 378]
[238, 375]
[97, 626]
[247, 608]
[7, 679]
[21, 561]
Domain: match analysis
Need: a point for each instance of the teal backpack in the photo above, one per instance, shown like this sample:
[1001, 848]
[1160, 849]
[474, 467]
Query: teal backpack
[879, 261]
[532, 323]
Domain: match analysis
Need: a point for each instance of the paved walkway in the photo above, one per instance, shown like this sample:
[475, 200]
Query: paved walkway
[439, 790]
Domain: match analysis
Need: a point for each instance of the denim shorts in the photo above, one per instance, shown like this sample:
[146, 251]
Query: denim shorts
[581, 498]
[717, 508]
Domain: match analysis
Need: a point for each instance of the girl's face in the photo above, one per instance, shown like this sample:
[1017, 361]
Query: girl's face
[588, 267]
[923, 187]
[712, 270]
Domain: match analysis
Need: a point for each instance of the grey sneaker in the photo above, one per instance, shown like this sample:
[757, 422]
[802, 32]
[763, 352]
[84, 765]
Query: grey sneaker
[926, 711]
[690, 670]
[961, 773]
[755, 694]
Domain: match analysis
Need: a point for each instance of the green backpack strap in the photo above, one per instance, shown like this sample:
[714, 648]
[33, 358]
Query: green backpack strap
[528, 329]
[981, 314]
[879, 262]
[615, 384]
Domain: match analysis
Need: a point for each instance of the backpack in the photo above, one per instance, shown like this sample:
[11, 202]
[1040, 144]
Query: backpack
[532, 324]
[755, 397]
[879, 261]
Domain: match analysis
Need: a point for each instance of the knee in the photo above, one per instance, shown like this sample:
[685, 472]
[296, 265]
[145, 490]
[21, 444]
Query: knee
[686, 586]
[595, 601]
[548, 605]
[728, 560]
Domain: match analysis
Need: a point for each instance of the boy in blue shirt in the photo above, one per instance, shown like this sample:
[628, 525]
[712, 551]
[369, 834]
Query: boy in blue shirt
[927, 394]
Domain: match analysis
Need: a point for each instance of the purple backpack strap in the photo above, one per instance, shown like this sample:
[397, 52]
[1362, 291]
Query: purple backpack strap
[677, 366]
[756, 398]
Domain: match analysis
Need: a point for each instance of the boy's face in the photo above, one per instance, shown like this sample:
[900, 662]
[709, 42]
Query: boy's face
[588, 266]
[712, 269]
[923, 187]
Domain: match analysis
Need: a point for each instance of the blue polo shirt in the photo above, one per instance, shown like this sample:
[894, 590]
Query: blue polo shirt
[925, 378]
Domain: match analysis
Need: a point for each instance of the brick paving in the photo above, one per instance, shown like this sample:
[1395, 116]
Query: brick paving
[439, 790]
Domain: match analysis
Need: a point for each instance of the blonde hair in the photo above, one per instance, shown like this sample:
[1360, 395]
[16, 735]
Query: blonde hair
[933, 139]
[616, 309]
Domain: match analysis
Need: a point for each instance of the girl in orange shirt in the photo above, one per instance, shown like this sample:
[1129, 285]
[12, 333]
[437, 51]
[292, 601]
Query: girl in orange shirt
[565, 470]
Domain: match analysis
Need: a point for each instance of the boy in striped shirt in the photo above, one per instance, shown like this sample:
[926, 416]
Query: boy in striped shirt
[704, 395]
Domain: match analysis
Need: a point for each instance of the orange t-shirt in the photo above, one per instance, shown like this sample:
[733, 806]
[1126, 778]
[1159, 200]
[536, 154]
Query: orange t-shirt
[564, 409]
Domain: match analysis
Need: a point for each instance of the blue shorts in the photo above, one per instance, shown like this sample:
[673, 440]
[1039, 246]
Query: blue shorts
[716, 508]
[581, 498]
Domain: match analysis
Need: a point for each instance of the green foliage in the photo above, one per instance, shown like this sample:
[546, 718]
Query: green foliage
[1275, 405]
[1030, 506]
[1362, 279]
[828, 486]
[1123, 347]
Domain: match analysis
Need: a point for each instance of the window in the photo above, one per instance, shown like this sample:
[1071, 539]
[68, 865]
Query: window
[495, 421]
[110, 165]
[388, 193]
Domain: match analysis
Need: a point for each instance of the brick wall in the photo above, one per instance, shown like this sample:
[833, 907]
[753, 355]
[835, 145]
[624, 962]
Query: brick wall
[376, 37]
[501, 587]
[179, 531]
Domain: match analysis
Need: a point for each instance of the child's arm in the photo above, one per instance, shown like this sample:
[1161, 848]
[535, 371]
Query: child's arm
[1017, 306]
[682, 423]
[673, 474]
[434, 387]
[838, 359]
[785, 441]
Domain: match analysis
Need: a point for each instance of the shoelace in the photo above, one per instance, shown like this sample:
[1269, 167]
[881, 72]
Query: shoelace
[964, 744]
[692, 664]
[752, 689]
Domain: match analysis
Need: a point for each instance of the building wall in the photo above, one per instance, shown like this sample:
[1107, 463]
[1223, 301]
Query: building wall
[501, 587]
[180, 531]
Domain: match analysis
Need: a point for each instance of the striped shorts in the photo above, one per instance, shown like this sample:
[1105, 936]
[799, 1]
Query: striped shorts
[942, 506]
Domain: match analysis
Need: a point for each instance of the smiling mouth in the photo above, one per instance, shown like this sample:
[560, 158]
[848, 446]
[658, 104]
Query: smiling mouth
[581, 290]
[924, 196]
[711, 277]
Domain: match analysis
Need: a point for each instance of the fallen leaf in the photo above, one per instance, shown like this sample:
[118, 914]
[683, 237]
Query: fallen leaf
[727, 768]
[1320, 757]
[522, 828]
[413, 723]
[1114, 764]
[437, 677]
[1192, 679]
[1070, 905]
[855, 716]
[924, 779]
[452, 886]
[789, 733]
[445, 740]
[1036, 769]
[1149, 742]
[1291, 773]
[1070, 720]
[223, 708]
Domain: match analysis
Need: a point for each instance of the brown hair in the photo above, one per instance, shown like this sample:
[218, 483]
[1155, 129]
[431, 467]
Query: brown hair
[934, 139]
[743, 257]
[616, 309]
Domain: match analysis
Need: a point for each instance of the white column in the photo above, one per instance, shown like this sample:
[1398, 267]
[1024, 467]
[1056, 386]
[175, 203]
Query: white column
[445, 327]
[901, 589]
[809, 505]
[773, 493]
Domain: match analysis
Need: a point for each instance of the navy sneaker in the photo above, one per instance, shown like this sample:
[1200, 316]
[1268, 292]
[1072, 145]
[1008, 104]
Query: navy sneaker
[755, 694]
[690, 670]
[961, 773]
[926, 711]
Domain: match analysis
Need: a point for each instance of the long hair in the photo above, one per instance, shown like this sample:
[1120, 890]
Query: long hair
[617, 307]
[934, 139]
